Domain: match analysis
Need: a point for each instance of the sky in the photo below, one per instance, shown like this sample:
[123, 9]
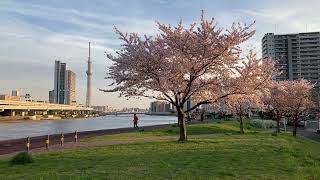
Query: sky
[34, 33]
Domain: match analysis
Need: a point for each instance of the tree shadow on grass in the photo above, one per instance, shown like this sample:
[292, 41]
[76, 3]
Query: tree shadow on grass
[210, 128]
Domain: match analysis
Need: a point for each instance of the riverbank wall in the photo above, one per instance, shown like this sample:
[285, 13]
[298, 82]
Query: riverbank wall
[41, 117]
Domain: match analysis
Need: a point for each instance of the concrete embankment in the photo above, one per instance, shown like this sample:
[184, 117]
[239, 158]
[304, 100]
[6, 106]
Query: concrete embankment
[13, 119]
[37, 117]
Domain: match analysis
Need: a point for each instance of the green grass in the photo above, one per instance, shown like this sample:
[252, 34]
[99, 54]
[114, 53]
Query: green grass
[227, 127]
[214, 151]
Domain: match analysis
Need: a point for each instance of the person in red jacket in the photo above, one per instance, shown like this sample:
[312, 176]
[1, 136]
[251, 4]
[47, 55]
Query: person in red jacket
[135, 121]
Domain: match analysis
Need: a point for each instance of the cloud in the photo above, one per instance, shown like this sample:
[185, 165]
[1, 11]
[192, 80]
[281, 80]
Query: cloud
[270, 15]
[30, 38]
[35, 33]
[85, 20]
[285, 19]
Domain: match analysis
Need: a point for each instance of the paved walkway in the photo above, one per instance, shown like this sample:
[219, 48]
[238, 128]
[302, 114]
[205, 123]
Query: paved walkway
[93, 144]
[309, 133]
[38, 143]
[18, 145]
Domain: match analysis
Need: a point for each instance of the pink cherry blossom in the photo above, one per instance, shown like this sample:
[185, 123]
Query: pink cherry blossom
[201, 62]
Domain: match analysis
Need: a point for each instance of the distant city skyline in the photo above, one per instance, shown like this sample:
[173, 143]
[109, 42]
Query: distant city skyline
[36, 33]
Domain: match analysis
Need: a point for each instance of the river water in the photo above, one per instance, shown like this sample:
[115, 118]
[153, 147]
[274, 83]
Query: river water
[43, 127]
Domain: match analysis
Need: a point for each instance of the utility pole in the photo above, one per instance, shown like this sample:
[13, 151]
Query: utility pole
[89, 76]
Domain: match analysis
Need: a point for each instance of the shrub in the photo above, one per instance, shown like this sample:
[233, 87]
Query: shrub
[174, 125]
[169, 130]
[265, 124]
[249, 124]
[21, 158]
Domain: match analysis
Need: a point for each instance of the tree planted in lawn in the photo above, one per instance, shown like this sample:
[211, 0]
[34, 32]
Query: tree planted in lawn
[297, 97]
[276, 100]
[241, 104]
[251, 98]
[201, 63]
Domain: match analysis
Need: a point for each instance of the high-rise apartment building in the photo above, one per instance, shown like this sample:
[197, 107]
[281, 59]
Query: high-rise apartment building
[51, 96]
[103, 108]
[64, 84]
[15, 93]
[59, 82]
[160, 106]
[71, 87]
[298, 55]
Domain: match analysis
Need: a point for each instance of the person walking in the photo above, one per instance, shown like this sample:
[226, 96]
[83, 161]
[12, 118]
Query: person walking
[135, 121]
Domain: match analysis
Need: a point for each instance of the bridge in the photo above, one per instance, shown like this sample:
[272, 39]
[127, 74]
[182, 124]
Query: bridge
[12, 108]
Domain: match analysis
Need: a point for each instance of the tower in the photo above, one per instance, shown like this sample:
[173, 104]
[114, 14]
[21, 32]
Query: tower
[89, 74]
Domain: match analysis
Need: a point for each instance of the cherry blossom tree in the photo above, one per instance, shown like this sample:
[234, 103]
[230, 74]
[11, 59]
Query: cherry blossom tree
[297, 99]
[276, 100]
[201, 63]
[241, 104]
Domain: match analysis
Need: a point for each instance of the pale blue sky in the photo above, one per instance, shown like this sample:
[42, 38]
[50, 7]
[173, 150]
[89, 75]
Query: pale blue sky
[34, 33]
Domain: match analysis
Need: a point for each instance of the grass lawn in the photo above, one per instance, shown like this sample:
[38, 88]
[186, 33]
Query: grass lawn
[214, 151]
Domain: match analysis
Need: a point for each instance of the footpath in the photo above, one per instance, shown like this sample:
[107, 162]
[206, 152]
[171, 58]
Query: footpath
[18, 145]
[309, 133]
[38, 143]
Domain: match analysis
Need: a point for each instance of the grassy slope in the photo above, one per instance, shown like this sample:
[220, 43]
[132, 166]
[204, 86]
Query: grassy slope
[214, 151]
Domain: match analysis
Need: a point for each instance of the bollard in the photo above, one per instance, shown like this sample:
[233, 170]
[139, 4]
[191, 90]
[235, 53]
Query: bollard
[62, 140]
[75, 136]
[47, 142]
[28, 144]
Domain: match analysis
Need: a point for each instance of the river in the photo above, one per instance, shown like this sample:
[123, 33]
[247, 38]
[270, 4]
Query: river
[9, 130]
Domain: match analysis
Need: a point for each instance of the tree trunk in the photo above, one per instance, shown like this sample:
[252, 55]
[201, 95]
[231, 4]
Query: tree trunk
[295, 129]
[278, 125]
[182, 125]
[241, 124]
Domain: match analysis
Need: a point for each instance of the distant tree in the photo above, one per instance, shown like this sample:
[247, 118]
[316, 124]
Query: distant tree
[241, 104]
[201, 63]
[275, 100]
[297, 99]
